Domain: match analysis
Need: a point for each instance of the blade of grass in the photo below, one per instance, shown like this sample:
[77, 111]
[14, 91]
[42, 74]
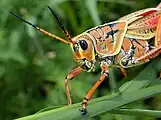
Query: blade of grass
[96, 106]
[137, 112]
[92, 8]
[144, 78]
[121, 2]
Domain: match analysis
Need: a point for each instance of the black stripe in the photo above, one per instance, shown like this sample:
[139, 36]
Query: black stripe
[86, 98]
[23, 20]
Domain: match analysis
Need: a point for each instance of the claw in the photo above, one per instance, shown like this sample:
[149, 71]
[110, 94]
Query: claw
[83, 111]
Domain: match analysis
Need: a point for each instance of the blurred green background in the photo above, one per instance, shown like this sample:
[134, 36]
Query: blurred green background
[33, 67]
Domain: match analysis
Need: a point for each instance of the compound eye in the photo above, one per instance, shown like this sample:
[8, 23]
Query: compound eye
[83, 44]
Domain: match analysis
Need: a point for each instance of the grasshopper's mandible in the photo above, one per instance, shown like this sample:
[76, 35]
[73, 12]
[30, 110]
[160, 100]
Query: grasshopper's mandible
[132, 40]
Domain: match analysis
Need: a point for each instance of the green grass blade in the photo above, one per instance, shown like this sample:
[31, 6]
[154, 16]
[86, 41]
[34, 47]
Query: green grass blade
[92, 8]
[144, 78]
[96, 106]
[137, 112]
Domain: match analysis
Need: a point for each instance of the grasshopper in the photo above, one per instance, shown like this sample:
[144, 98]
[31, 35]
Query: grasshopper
[131, 40]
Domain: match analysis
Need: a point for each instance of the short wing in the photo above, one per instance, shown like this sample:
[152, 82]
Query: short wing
[138, 14]
[145, 26]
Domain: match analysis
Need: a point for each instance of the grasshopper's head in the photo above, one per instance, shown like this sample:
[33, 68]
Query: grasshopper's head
[83, 52]
[82, 46]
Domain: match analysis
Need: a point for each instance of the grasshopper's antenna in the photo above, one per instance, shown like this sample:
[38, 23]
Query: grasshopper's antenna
[41, 30]
[61, 26]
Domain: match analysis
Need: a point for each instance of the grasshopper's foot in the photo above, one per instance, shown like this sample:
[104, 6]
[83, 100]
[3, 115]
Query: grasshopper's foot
[84, 106]
[83, 111]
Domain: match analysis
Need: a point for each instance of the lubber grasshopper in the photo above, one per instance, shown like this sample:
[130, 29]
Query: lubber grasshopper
[132, 40]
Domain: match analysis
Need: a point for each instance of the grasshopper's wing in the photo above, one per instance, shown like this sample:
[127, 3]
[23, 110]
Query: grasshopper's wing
[138, 14]
[108, 38]
[143, 25]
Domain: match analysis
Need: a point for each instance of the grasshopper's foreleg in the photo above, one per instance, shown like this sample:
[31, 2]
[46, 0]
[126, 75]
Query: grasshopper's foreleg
[70, 76]
[104, 74]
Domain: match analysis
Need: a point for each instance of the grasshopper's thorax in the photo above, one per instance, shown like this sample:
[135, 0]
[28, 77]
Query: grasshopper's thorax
[101, 41]
[83, 51]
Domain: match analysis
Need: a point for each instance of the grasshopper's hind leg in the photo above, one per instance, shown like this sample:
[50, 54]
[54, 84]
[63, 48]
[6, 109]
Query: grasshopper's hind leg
[150, 55]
